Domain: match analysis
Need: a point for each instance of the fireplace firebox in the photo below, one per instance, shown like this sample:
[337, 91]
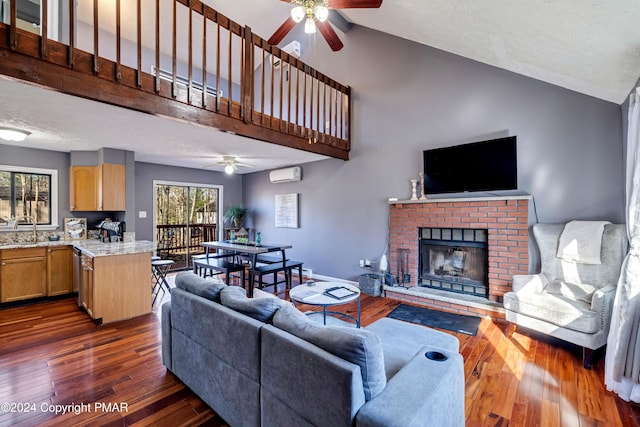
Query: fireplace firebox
[454, 260]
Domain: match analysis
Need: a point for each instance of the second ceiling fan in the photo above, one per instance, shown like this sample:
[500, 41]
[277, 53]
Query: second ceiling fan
[315, 14]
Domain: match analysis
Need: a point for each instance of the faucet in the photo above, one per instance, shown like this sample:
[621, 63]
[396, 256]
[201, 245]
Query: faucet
[33, 221]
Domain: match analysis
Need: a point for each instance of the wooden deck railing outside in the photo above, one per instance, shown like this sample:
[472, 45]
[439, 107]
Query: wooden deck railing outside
[178, 241]
[205, 67]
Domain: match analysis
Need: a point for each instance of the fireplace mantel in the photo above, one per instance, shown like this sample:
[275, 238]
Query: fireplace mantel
[463, 197]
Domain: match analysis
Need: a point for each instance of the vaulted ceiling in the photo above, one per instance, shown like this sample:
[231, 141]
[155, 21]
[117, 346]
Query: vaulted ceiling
[589, 46]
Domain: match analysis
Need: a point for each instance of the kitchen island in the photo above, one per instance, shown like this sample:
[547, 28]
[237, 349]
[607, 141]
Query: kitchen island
[112, 279]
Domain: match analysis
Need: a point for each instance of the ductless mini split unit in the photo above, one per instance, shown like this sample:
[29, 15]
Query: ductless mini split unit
[285, 175]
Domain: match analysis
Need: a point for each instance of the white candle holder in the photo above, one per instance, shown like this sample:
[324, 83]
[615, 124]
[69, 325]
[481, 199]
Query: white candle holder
[414, 183]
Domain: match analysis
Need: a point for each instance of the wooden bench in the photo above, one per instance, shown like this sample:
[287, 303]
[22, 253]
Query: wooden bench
[203, 257]
[274, 268]
[219, 264]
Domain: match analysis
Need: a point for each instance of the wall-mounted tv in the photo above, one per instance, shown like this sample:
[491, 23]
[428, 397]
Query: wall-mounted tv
[480, 166]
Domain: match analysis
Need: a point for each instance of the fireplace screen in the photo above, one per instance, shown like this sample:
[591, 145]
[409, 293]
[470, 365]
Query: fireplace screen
[454, 260]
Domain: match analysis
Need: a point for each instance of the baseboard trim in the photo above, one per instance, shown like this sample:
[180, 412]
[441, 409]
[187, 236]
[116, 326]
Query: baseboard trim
[320, 277]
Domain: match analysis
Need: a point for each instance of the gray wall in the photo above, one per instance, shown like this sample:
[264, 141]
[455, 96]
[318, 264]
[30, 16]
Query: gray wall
[408, 98]
[146, 173]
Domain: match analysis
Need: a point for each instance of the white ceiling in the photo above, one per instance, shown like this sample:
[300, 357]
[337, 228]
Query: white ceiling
[589, 46]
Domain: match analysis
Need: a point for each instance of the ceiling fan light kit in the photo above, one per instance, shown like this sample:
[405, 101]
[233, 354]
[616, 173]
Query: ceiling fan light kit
[316, 13]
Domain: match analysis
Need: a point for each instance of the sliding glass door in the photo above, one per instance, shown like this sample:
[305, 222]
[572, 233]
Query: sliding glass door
[185, 215]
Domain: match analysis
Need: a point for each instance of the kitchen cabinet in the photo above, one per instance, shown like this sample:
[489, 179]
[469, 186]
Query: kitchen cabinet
[59, 270]
[116, 287]
[97, 188]
[23, 274]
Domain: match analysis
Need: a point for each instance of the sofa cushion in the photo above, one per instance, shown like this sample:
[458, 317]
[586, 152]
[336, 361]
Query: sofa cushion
[261, 309]
[357, 346]
[575, 291]
[206, 288]
[555, 309]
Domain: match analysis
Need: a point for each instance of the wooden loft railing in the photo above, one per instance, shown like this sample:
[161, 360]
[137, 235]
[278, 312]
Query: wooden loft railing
[178, 58]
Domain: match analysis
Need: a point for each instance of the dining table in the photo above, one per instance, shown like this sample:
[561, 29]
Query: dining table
[249, 249]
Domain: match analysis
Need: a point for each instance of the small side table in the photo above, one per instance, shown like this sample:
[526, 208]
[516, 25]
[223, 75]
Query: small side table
[314, 295]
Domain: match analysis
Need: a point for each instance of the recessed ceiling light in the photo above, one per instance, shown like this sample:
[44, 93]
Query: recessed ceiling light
[17, 135]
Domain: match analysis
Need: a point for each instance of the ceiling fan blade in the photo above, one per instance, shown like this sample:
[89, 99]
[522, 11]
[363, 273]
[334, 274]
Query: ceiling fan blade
[282, 31]
[354, 4]
[329, 35]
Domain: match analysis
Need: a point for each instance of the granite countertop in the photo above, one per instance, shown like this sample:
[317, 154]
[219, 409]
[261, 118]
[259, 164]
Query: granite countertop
[93, 247]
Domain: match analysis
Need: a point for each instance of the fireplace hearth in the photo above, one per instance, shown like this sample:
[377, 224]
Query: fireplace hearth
[454, 260]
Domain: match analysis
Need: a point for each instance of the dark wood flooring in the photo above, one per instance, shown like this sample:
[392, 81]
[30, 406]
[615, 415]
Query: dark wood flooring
[52, 354]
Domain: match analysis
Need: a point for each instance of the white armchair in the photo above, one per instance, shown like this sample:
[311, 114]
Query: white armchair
[567, 300]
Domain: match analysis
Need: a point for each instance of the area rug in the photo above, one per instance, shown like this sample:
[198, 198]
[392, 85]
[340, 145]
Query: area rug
[436, 319]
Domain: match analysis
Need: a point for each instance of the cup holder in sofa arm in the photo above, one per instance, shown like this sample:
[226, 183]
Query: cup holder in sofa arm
[436, 356]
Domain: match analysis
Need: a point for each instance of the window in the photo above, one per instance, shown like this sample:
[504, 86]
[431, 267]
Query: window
[28, 192]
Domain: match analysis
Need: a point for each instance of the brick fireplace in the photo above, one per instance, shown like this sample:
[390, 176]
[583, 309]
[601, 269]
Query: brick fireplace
[505, 220]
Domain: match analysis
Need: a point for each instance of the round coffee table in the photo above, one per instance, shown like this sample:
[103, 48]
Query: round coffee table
[316, 295]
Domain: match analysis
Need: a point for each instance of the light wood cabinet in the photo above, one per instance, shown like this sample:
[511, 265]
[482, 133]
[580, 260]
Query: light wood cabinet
[23, 274]
[97, 188]
[116, 287]
[59, 270]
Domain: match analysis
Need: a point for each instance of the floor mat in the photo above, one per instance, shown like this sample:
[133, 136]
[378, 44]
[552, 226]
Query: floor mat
[436, 319]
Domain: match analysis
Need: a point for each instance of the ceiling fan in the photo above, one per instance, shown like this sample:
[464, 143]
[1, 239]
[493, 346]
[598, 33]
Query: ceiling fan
[230, 163]
[316, 13]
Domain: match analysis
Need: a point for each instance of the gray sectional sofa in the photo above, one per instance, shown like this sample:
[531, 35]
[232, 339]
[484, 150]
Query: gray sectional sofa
[260, 362]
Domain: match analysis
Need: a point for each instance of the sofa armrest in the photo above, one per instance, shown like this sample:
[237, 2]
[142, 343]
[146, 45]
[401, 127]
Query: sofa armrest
[529, 282]
[166, 334]
[602, 302]
[423, 392]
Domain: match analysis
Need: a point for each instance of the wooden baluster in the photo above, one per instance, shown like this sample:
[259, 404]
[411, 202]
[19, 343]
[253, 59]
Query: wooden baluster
[190, 60]
[341, 115]
[204, 58]
[304, 104]
[310, 135]
[281, 84]
[13, 14]
[96, 67]
[297, 125]
[324, 113]
[318, 82]
[72, 33]
[118, 43]
[247, 82]
[139, 47]
[174, 51]
[44, 36]
[229, 76]
[272, 61]
[331, 110]
[253, 85]
[289, 98]
[346, 122]
[157, 79]
[217, 65]
[264, 57]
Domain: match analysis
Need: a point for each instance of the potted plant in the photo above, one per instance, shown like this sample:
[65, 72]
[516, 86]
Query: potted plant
[235, 214]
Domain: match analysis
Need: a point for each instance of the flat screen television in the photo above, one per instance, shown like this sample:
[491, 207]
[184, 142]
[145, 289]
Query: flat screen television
[480, 166]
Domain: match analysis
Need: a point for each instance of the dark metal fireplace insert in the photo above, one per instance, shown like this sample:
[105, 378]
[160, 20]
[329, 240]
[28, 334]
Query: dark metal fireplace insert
[454, 260]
